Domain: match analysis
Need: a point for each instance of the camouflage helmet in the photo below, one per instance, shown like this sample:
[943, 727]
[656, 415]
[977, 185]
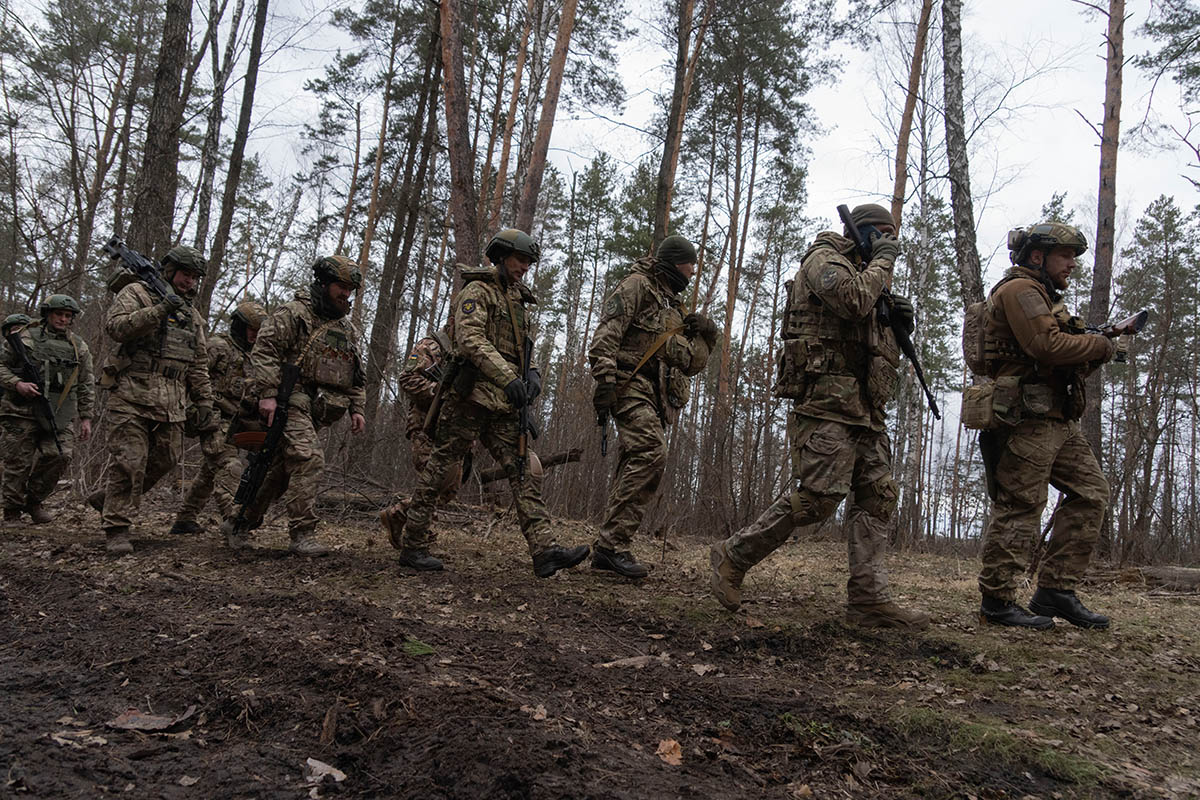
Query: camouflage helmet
[1045, 236]
[250, 314]
[59, 302]
[13, 320]
[511, 240]
[328, 269]
[189, 258]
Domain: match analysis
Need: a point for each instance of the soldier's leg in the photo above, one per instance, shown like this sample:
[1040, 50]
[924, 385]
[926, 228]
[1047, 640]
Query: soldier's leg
[499, 436]
[202, 486]
[422, 447]
[129, 441]
[166, 448]
[303, 461]
[872, 504]
[20, 453]
[227, 470]
[49, 465]
[458, 426]
[1022, 475]
[1077, 521]
[640, 465]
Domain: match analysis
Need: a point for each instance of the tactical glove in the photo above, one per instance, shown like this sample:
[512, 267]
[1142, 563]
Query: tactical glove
[696, 324]
[206, 420]
[886, 248]
[902, 307]
[515, 392]
[535, 383]
[173, 302]
[604, 398]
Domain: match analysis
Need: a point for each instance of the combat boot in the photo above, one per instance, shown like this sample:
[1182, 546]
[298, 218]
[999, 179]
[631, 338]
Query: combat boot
[12, 515]
[886, 615]
[235, 537]
[726, 578]
[96, 500]
[116, 542]
[39, 514]
[392, 519]
[621, 563]
[420, 560]
[998, 611]
[552, 559]
[1063, 603]
[305, 543]
[184, 527]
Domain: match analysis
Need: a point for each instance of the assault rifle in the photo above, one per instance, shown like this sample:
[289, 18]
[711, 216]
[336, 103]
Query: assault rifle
[524, 426]
[146, 270]
[883, 310]
[1127, 327]
[260, 461]
[29, 373]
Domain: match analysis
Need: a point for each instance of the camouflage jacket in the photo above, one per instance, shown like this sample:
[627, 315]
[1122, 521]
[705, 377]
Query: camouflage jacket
[848, 358]
[637, 313]
[331, 381]
[1028, 333]
[162, 359]
[61, 358]
[484, 333]
[416, 384]
[228, 364]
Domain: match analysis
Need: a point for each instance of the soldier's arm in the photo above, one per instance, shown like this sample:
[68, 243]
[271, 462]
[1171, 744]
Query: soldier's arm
[618, 312]
[198, 383]
[8, 363]
[358, 395]
[220, 361]
[133, 314]
[85, 385]
[848, 293]
[411, 380]
[1028, 315]
[470, 336]
[274, 340]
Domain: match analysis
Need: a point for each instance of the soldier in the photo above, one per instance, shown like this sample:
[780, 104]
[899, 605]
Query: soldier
[1036, 351]
[643, 354]
[418, 381]
[311, 331]
[228, 363]
[488, 392]
[840, 368]
[33, 462]
[14, 321]
[161, 363]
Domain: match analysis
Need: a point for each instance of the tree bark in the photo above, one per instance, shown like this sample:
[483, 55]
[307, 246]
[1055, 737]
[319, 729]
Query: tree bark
[910, 103]
[966, 254]
[463, 197]
[510, 122]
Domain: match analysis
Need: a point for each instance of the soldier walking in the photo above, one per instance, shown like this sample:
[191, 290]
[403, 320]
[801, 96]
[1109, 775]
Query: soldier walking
[33, 459]
[161, 363]
[1038, 361]
[643, 355]
[840, 369]
[228, 363]
[484, 402]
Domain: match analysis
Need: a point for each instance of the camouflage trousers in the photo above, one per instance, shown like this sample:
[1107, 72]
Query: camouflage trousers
[641, 461]
[422, 447]
[141, 451]
[32, 464]
[218, 477]
[829, 461]
[294, 476]
[460, 424]
[1030, 457]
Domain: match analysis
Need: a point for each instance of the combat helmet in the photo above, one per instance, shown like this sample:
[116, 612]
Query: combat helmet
[13, 321]
[59, 302]
[248, 315]
[328, 269]
[1044, 236]
[511, 240]
[189, 258]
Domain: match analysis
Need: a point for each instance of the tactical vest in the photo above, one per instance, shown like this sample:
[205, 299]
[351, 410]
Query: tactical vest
[328, 357]
[650, 320]
[57, 358]
[231, 380]
[170, 350]
[817, 342]
[499, 326]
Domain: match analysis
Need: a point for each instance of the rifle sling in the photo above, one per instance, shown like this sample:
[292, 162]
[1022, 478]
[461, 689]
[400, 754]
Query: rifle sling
[654, 347]
[518, 335]
[62, 398]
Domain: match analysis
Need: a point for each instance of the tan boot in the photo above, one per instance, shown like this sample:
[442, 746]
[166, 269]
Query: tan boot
[726, 578]
[39, 514]
[392, 519]
[304, 543]
[886, 615]
[235, 539]
[116, 542]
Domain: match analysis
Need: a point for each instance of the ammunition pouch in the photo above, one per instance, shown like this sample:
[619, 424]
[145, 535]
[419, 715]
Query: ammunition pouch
[1004, 402]
[462, 375]
[790, 382]
[328, 408]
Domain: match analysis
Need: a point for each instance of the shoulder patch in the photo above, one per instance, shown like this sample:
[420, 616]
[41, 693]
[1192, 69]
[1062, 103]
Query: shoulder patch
[614, 306]
[468, 306]
[829, 278]
[1032, 303]
[412, 362]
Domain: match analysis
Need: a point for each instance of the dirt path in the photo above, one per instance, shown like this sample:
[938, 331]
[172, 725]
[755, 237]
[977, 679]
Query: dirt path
[485, 682]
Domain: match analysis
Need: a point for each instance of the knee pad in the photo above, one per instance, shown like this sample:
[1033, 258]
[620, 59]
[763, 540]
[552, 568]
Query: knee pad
[879, 498]
[809, 507]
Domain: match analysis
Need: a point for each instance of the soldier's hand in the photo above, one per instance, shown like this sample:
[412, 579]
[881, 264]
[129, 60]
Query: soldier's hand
[266, 409]
[515, 392]
[206, 420]
[535, 384]
[85, 429]
[902, 307]
[604, 398]
[28, 389]
[173, 302]
[358, 423]
[885, 248]
[696, 324]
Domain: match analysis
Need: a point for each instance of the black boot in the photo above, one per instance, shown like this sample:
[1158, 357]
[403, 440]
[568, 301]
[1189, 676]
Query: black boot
[96, 500]
[1063, 603]
[184, 527]
[552, 559]
[997, 611]
[621, 563]
[420, 560]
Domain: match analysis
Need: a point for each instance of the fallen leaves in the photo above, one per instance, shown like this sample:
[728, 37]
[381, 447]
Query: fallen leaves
[670, 752]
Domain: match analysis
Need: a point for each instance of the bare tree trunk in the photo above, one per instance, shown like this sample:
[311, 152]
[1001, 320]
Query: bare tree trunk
[229, 198]
[463, 198]
[910, 103]
[541, 145]
[966, 254]
[510, 122]
[158, 179]
[348, 211]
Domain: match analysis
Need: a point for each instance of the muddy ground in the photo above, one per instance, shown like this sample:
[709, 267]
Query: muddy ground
[484, 682]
